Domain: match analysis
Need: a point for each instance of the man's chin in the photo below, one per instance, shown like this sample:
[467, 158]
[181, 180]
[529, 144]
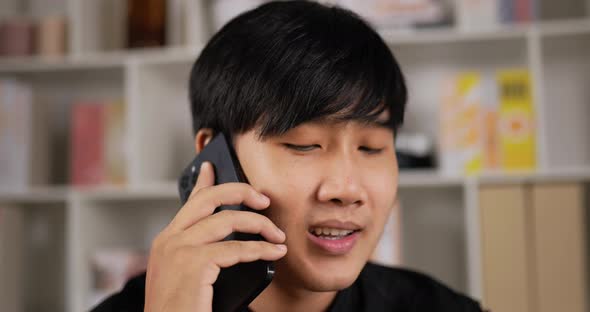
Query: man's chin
[331, 276]
[327, 286]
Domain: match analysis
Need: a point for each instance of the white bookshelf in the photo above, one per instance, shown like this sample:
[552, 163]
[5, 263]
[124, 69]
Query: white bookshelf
[440, 213]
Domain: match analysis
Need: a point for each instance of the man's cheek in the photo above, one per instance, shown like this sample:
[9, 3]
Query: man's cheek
[286, 206]
[298, 182]
[383, 190]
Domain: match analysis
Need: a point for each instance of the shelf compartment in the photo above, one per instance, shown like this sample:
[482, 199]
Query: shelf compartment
[160, 121]
[428, 68]
[97, 224]
[56, 93]
[36, 241]
[566, 96]
[433, 234]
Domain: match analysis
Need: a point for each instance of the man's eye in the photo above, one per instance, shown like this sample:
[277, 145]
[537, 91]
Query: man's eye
[369, 150]
[301, 148]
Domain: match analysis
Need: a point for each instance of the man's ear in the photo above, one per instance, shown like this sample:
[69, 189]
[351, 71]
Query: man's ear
[202, 138]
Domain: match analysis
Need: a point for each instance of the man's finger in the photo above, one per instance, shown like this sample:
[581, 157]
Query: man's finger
[220, 225]
[228, 253]
[209, 198]
[206, 178]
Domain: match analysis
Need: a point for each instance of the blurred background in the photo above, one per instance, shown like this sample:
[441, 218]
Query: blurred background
[494, 154]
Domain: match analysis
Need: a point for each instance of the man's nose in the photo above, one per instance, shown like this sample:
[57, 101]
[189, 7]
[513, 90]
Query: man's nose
[342, 184]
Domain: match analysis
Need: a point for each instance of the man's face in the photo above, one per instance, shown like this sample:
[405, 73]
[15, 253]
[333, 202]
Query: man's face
[340, 172]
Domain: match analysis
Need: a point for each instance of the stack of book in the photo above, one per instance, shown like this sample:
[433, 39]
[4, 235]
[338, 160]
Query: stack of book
[98, 143]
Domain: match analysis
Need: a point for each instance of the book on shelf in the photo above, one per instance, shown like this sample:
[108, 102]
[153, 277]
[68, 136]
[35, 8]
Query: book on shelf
[525, 11]
[87, 149]
[23, 137]
[506, 11]
[97, 143]
[487, 123]
[115, 147]
[111, 268]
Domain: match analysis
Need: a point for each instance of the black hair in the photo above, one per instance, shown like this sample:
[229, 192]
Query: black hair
[289, 62]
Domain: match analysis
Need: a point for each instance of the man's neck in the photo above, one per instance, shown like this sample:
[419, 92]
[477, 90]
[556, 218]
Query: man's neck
[277, 297]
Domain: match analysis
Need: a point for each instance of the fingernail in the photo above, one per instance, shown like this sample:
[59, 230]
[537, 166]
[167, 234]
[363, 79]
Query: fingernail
[264, 198]
[202, 166]
[281, 232]
[281, 247]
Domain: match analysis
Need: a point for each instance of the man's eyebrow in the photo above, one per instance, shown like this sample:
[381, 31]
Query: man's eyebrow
[379, 123]
[383, 120]
[371, 123]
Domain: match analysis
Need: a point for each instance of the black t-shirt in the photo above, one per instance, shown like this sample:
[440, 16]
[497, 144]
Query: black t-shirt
[377, 289]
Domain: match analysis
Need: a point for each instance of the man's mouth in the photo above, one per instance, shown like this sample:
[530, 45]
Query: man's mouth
[330, 233]
[334, 237]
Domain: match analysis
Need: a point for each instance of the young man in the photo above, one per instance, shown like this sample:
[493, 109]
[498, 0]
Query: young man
[311, 97]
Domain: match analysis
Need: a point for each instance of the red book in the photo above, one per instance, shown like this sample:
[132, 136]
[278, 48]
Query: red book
[523, 10]
[87, 144]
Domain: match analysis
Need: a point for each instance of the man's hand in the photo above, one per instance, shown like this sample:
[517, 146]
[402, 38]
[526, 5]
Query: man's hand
[187, 256]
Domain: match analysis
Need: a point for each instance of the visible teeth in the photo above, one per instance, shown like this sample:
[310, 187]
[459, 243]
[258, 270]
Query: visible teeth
[330, 232]
[344, 232]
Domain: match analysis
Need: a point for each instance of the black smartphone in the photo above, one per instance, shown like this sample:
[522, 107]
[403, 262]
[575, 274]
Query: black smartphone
[240, 284]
